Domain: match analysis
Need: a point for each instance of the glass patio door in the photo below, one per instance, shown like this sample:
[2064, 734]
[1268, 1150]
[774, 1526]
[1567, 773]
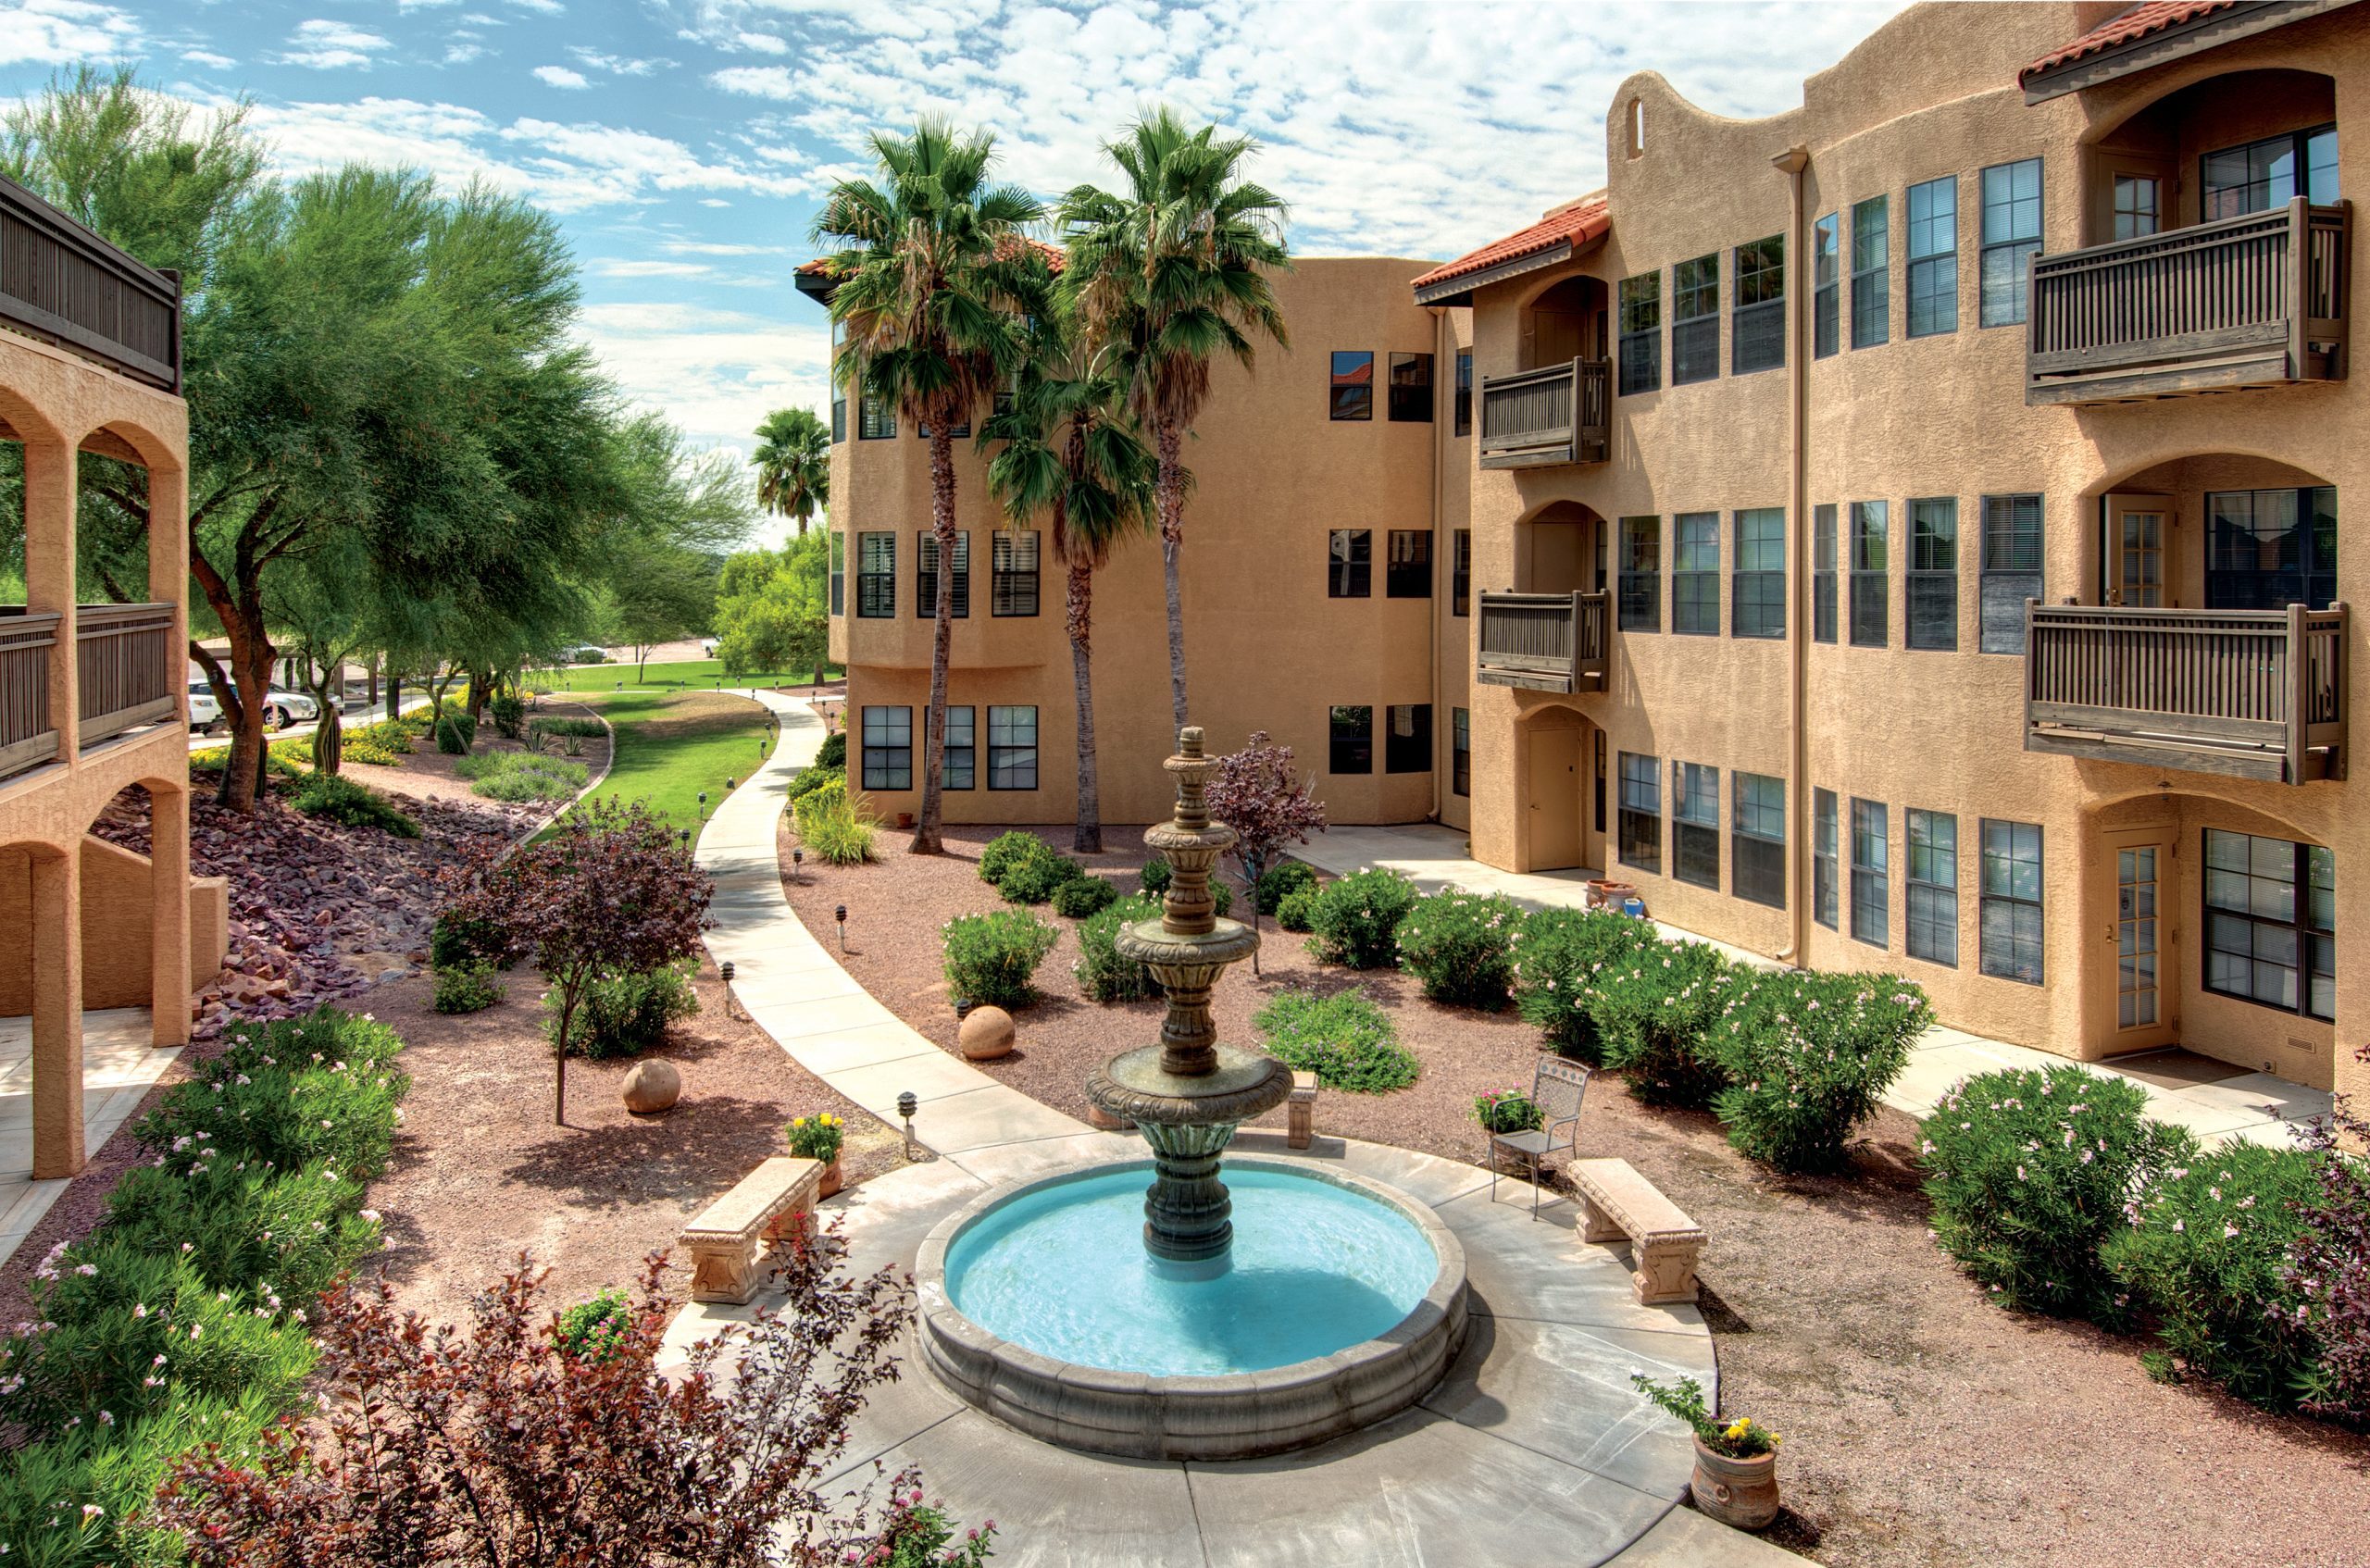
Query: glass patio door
[2135, 526]
[2146, 998]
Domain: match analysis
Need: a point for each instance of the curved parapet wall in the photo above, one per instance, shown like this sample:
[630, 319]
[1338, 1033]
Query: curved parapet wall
[1241, 1415]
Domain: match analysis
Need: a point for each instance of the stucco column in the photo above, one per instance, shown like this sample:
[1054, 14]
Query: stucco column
[57, 1015]
[169, 935]
[49, 573]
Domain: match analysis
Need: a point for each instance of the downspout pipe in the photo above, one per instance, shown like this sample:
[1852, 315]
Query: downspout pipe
[1794, 161]
[1443, 376]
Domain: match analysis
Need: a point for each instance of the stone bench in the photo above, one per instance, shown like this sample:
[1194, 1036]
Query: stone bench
[1615, 1201]
[1300, 1112]
[731, 1235]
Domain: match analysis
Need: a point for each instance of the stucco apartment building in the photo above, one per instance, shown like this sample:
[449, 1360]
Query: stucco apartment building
[1897, 533]
[92, 699]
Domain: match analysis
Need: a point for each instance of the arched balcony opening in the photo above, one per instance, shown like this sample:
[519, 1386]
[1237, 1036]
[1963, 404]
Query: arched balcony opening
[1555, 409]
[1550, 631]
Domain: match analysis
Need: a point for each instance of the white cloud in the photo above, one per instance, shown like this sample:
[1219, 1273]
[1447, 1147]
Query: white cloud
[763, 43]
[560, 75]
[616, 65]
[616, 267]
[541, 8]
[327, 45]
[714, 373]
[462, 54]
[208, 59]
[63, 32]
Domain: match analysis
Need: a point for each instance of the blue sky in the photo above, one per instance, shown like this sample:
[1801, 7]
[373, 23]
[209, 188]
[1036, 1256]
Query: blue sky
[684, 144]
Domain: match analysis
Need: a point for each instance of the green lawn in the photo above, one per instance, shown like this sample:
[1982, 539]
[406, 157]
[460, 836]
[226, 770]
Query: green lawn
[671, 745]
[695, 673]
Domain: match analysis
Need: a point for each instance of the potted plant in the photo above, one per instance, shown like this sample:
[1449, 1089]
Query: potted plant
[819, 1138]
[1736, 1462]
[1506, 1109]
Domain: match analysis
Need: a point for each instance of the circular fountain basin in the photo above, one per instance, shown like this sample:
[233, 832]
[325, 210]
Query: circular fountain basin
[1341, 1301]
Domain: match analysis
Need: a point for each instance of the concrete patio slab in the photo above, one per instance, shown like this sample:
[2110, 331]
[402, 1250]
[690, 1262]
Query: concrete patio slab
[121, 1063]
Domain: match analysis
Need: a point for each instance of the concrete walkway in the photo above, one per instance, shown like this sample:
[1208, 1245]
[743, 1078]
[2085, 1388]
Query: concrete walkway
[120, 1064]
[2214, 1100]
[829, 1024]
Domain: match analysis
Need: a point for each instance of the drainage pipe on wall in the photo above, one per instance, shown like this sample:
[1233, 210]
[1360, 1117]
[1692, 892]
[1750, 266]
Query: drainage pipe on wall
[1443, 375]
[1793, 161]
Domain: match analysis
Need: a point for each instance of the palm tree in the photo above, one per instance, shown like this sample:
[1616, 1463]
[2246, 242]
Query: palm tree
[927, 283]
[1070, 454]
[1163, 278]
[793, 464]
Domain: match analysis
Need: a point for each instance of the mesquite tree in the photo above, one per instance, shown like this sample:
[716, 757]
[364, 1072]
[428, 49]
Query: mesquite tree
[612, 890]
[1270, 804]
[516, 1447]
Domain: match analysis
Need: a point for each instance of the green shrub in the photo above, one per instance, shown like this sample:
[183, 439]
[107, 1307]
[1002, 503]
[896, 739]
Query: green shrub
[393, 736]
[2029, 1171]
[1104, 974]
[1007, 850]
[318, 1087]
[626, 1014]
[576, 728]
[1033, 879]
[835, 825]
[1279, 883]
[1462, 947]
[455, 733]
[277, 763]
[1808, 1058]
[2202, 1260]
[596, 1329]
[1356, 920]
[467, 987]
[1083, 895]
[509, 717]
[1293, 913]
[1558, 954]
[1345, 1040]
[1655, 1013]
[993, 958]
[356, 805]
[454, 940]
[1156, 876]
[518, 777]
[833, 751]
[809, 780]
[1221, 896]
[1508, 1110]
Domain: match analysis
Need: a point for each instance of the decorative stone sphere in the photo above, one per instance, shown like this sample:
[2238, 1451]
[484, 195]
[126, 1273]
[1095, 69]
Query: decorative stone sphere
[986, 1034]
[652, 1086]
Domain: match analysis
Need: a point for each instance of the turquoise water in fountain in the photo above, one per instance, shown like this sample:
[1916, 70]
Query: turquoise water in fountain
[1315, 1268]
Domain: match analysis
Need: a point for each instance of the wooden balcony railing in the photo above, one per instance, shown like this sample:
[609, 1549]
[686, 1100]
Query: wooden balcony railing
[62, 283]
[27, 737]
[2252, 693]
[2240, 302]
[1553, 414]
[124, 666]
[1543, 641]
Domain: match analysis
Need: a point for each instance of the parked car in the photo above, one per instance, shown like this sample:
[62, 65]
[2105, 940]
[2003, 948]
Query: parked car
[280, 708]
[585, 654]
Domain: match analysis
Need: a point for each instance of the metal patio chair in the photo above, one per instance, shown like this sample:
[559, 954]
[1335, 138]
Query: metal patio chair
[1557, 1089]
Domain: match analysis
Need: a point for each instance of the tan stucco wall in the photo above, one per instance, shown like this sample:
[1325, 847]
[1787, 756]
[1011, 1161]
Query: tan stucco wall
[116, 927]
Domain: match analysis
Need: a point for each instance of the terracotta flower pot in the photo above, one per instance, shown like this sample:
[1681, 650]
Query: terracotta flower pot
[1739, 1492]
[830, 1182]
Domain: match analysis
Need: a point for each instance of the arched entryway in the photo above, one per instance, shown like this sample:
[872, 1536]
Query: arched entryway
[2221, 146]
[1561, 760]
[1561, 548]
[1563, 323]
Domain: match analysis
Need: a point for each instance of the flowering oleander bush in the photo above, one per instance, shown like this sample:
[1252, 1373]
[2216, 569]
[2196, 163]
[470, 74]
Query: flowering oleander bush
[183, 1319]
[1345, 1040]
[1508, 1110]
[1558, 954]
[1356, 920]
[1297, 910]
[1009, 849]
[1280, 882]
[1808, 1058]
[1741, 1438]
[993, 958]
[2029, 1171]
[2329, 1272]
[817, 1137]
[1156, 876]
[1083, 895]
[1035, 878]
[1104, 973]
[1655, 1012]
[2202, 1259]
[625, 1013]
[1462, 947]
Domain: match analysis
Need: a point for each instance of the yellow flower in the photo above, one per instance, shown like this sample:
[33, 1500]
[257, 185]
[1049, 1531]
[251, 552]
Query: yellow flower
[798, 1121]
[1739, 1427]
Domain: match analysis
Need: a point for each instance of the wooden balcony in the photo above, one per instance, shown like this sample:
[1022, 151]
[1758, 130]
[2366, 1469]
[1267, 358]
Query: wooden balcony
[1543, 641]
[124, 660]
[2241, 302]
[1557, 413]
[2250, 693]
[63, 284]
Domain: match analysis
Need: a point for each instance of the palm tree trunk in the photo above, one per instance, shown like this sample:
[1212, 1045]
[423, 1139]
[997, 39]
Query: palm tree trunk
[1171, 490]
[942, 528]
[1088, 839]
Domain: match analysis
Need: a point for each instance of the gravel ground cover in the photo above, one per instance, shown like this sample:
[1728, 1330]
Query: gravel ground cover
[1924, 1427]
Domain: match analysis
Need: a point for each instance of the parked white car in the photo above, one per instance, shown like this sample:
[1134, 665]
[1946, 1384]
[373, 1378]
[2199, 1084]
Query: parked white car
[280, 710]
[586, 653]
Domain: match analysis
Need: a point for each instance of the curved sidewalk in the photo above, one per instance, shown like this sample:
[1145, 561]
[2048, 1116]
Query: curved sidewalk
[829, 1024]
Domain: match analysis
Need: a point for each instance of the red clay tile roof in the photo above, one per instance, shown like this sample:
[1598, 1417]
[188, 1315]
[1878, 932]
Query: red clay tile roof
[2140, 21]
[1575, 226]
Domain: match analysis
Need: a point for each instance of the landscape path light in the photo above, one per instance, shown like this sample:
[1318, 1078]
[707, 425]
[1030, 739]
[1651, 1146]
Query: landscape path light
[703, 807]
[907, 1105]
[798, 863]
[841, 915]
[724, 971]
